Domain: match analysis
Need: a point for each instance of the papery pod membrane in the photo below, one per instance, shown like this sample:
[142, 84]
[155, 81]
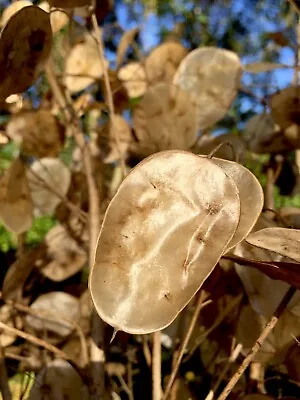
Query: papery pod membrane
[69, 3]
[114, 138]
[25, 46]
[285, 107]
[251, 197]
[250, 326]
[262, 135]
[16, 208]
[38, 132]
[14, 7]
[163, 61]
[211, 76]
[67, 256]
[49, 180]
[83, 59]
[291, 216]
[58, 18]
[57, 312]
[165, 119]
[162, 235]
[62, 382]
[133, 78]
[283, 241]
[264, 293]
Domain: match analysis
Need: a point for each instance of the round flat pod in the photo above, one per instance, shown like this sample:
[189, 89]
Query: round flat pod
[157, 244]
[25, 46]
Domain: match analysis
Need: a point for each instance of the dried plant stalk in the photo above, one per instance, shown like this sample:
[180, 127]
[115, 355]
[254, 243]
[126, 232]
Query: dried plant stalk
[257, 345]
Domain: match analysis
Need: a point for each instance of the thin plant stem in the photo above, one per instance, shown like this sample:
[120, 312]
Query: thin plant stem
[217, 322]
[200, 304]
[32, 339]
[257, 345]
[4, 387]
[156, 366]
[110, 99]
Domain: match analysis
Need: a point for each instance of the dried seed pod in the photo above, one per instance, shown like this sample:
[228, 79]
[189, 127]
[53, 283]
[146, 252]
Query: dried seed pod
[16, 208]
[211, 76]
[69, 3]
[262, 135]
[56, 313]
[283, 241]
[163, 61]
[39, 133]
[114, 138]
[14, 7]
[49, 180]
[157, 242]
[84, 61]
[285, 107]
[25, 45]
[165, 118]
[264, 293]
[251, 198]
[67, 256]
[133, 78]
[61, 381]
[58, 18]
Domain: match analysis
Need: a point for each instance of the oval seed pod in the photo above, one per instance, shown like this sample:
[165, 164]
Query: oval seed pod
[25, 45]
[157, 244]
[16, 208]
[283, 241]
[211, 76]
[251, 197]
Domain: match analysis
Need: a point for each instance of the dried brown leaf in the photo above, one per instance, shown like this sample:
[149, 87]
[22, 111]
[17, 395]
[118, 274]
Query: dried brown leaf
[165, 118]
[233, 148]
[16, 208]
[211, 76]
[25, 45]
[10, 318]
[157, 242]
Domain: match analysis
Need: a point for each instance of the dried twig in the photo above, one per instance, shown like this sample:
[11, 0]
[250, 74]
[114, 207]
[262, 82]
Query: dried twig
[32, 339]
[262, 337]
[156, 366]
[4, 387]
[96, 344]
[200, 304]
[110, 99]
[217, 322]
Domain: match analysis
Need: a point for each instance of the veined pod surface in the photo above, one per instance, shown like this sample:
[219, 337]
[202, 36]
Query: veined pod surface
[162, 235]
